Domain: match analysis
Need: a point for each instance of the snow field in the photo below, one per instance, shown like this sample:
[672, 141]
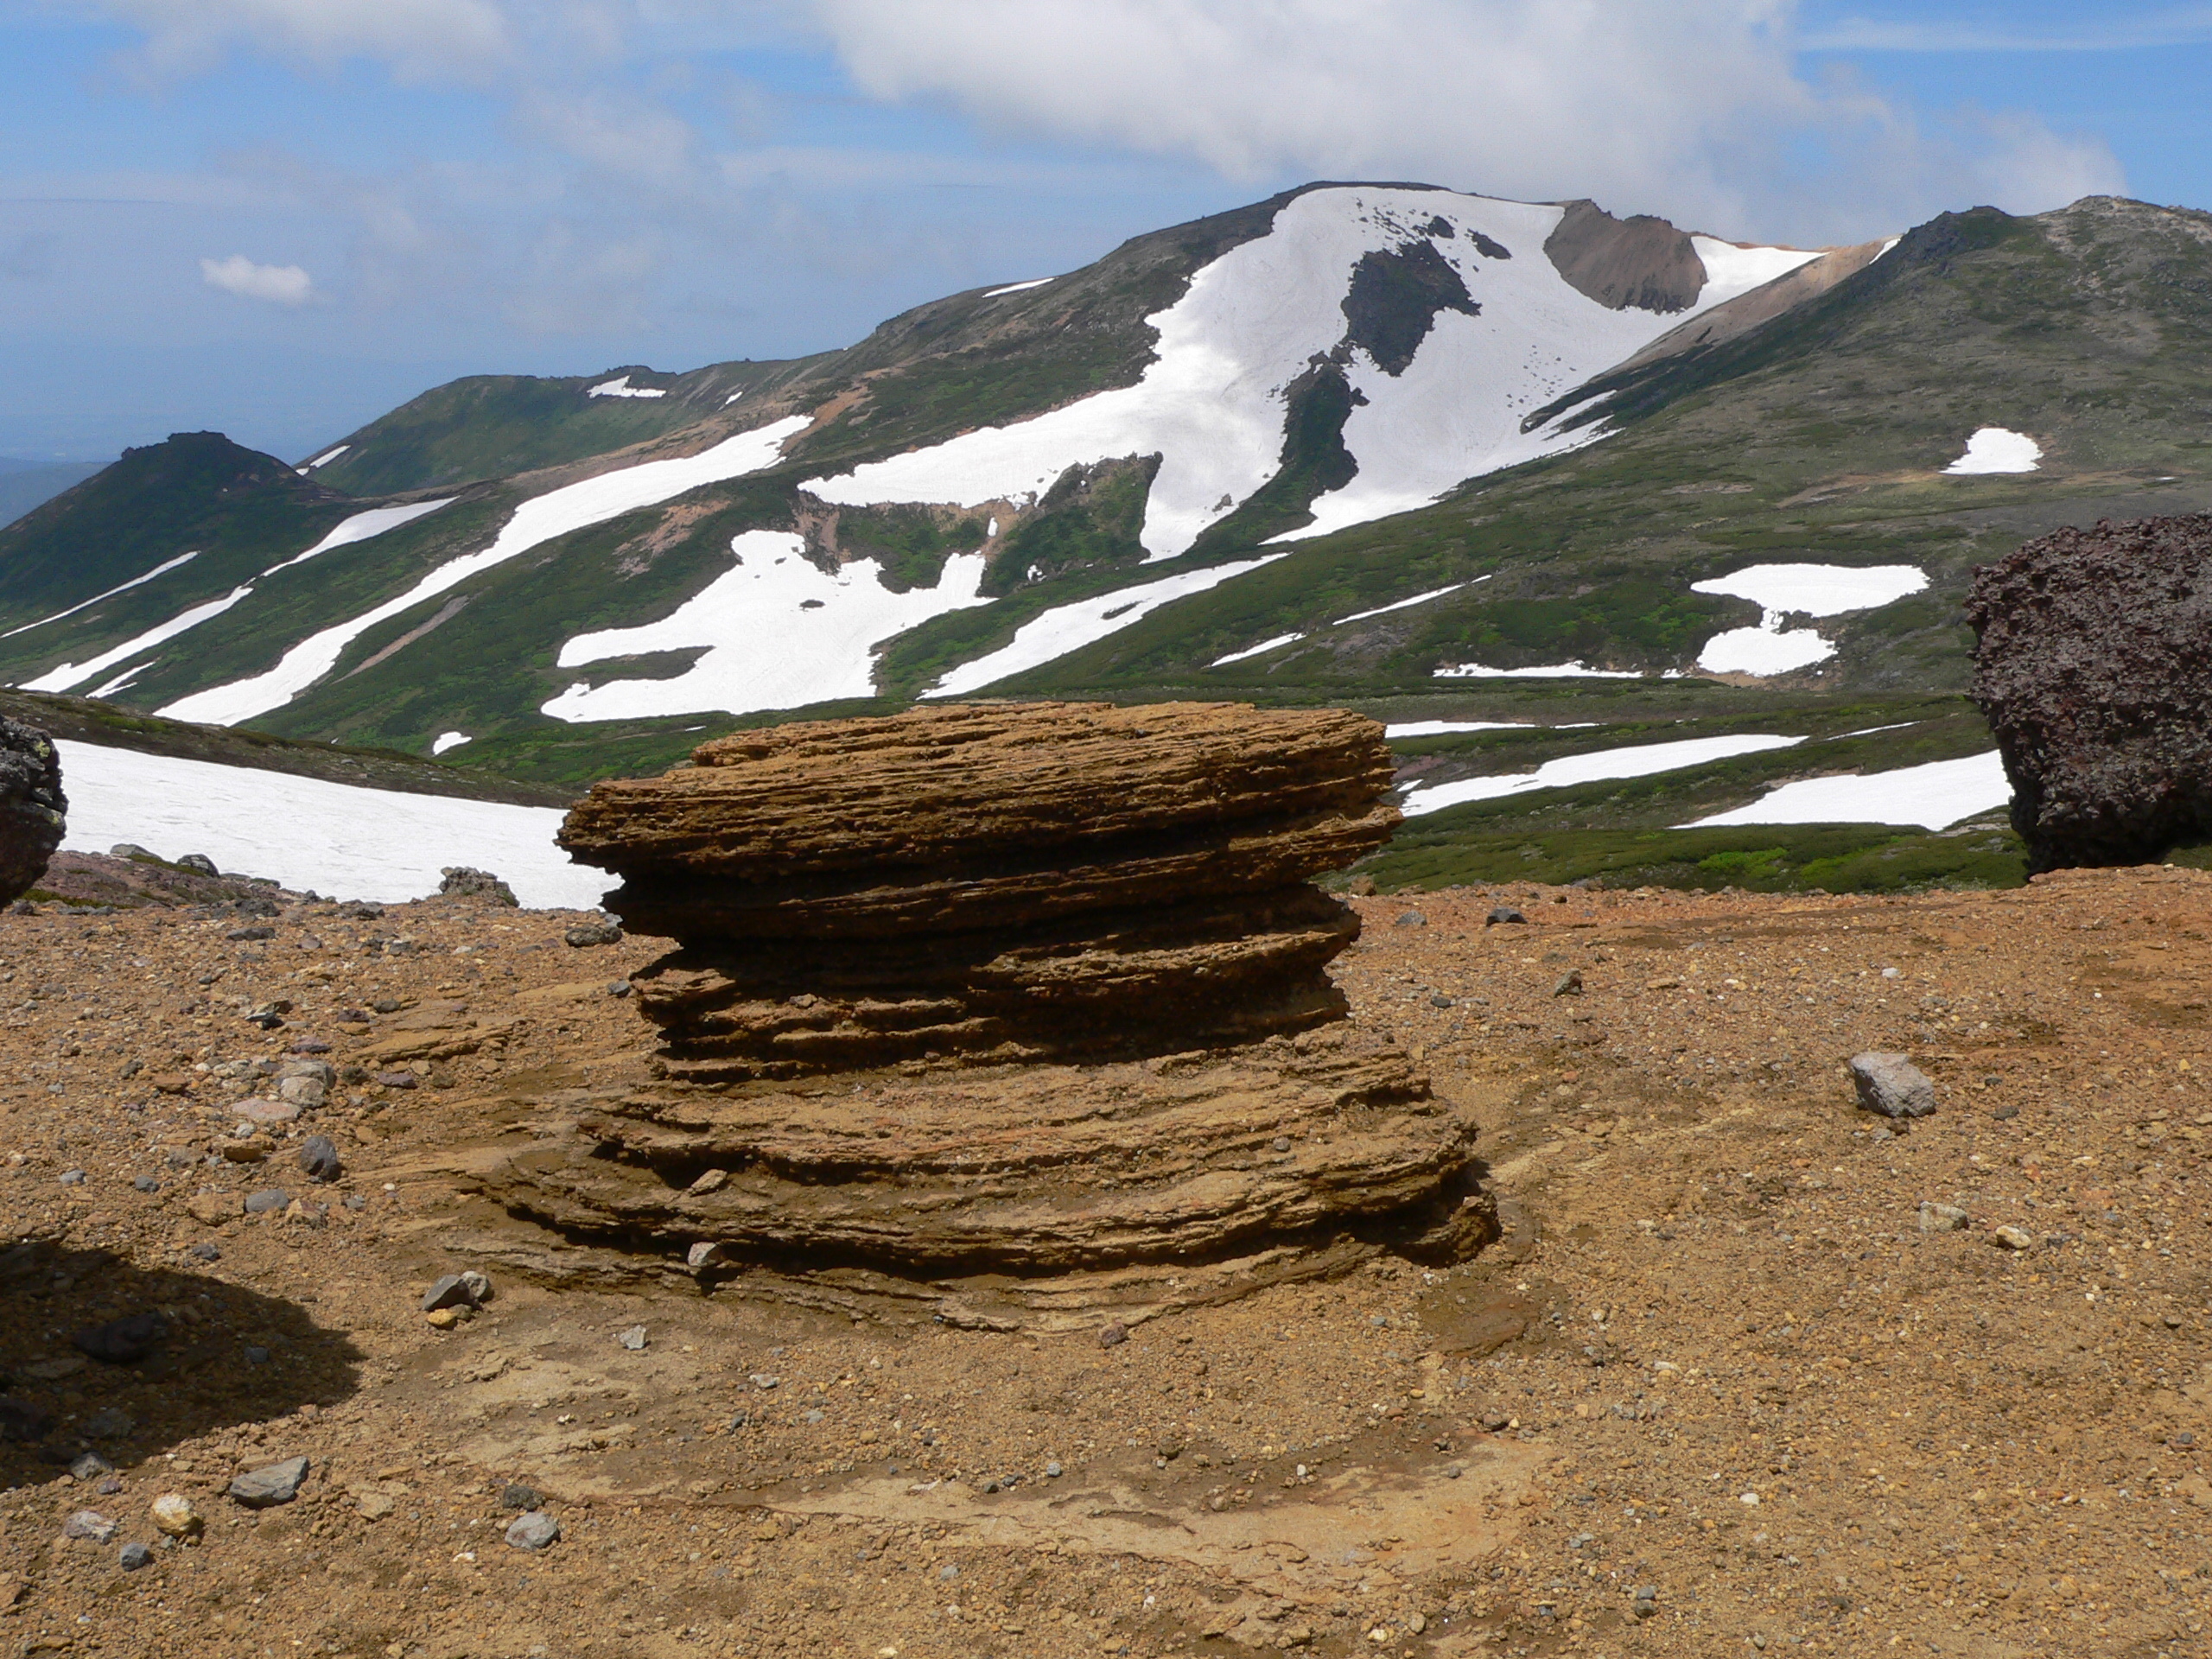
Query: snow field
[1445, 728]
[1934, 796]
[119, 588]
[1782, 589]
[1997, 449]
[69, 674]
[1212, 403]
[778, 632]
[541, 519]
[1641, 760]
[1065, 627]
[341, 839]
[1554, 671]
[1260, 650]
[622, 388]
[361, 526]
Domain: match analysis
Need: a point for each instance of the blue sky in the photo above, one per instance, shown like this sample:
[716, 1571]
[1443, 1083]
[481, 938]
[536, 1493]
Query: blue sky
[279, 218]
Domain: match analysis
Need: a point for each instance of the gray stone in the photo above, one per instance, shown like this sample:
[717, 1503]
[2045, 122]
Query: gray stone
[318, 1158]
[1504, 914]
[306, 1093]
[205, 1253]
[276, 1483]
[1053, 1471]
[91, 1466]
[1570, 983]
[1113, 1335]
[534, 1529]
[134, 1557]
[269, 1198]
[519, 1497]
[452, 1291]
[146, 1183]
[478, 1287]
[600, 930]
[2011, 1238]
[73, 1177]
[199, 863]
[1412, 918]
[634, 1338]
[1941, 1217]
[89, 1523]
[1892, 1085]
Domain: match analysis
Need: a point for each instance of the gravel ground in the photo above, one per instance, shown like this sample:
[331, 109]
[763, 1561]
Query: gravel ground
[1751, 1369]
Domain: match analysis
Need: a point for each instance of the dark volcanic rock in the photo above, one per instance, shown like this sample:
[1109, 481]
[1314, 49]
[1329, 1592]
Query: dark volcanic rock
[1641, 262]
[31, 806]
[2094, 667]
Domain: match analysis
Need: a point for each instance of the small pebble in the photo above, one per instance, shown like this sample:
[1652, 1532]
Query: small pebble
[634, 1338]
[174, 1513]
[89, 1524]
[91, 1466]
[1113, 1335]
[269, 1198]
[146, 1183]
[533, 1530]
[73, 1177]
[272, 1483]
[516, 1496]
[134, 1557]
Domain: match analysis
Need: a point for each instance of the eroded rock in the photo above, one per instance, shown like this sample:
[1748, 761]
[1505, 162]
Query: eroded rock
[1006, 1012]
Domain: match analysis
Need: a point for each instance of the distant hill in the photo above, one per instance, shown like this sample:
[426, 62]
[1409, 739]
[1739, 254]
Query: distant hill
[24, 484]
[1564, 483]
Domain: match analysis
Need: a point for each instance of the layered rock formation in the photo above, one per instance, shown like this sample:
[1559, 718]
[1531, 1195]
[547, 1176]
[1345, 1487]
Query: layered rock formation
[2094, 667]
[1021, 1008]
[997, 882]
[32, 806]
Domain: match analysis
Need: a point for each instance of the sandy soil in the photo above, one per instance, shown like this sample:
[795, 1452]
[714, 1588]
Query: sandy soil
[1715, 1358]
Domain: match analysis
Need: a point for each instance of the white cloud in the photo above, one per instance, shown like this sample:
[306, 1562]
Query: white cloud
[285, 284]
[1694, 108]
[427, 38]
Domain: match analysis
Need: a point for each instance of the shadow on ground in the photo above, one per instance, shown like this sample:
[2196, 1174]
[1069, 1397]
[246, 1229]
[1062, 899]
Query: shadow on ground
[100, 1355]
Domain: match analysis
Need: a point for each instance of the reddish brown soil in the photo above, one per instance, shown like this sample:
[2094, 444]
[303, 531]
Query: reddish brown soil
[1714, 1288]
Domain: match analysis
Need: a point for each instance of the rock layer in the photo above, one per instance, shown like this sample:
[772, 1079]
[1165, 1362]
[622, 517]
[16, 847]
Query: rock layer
[1013, 1014]
[32, 806]
[996, 881]
[2094, 667]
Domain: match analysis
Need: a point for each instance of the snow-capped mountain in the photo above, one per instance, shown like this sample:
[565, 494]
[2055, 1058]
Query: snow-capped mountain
[1357, 440]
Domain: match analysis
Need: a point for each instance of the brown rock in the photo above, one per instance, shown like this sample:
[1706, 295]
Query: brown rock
[1083, 938]
[1001, 881]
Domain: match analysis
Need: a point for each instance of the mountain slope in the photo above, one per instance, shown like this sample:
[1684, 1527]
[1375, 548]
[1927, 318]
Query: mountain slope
[1447, 458]
[1331, 355]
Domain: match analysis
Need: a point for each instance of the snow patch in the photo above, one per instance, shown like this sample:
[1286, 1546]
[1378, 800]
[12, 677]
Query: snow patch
[1556, 671]
[779, 632]
[1212, 404]
[1403, 604]
[336, 838]
[69, 674]
[1409, 728]
[1020, 288]
[326, 457]
[1997, 449]
[622, 388]
[1065, 627]
[361, 526]
[445, 741]
[119, 588]
[557, 512]
[1598, 766]
[1731, 270]
[121, 682]
[1934, 796]
[1260, 650]
[1782, 589]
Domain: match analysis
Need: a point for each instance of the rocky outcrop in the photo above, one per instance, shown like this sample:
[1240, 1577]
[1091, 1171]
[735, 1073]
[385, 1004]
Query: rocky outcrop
[1639, 262]
[2094, 667]
[1007, 1012]
[32, 806]
[994, 882]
